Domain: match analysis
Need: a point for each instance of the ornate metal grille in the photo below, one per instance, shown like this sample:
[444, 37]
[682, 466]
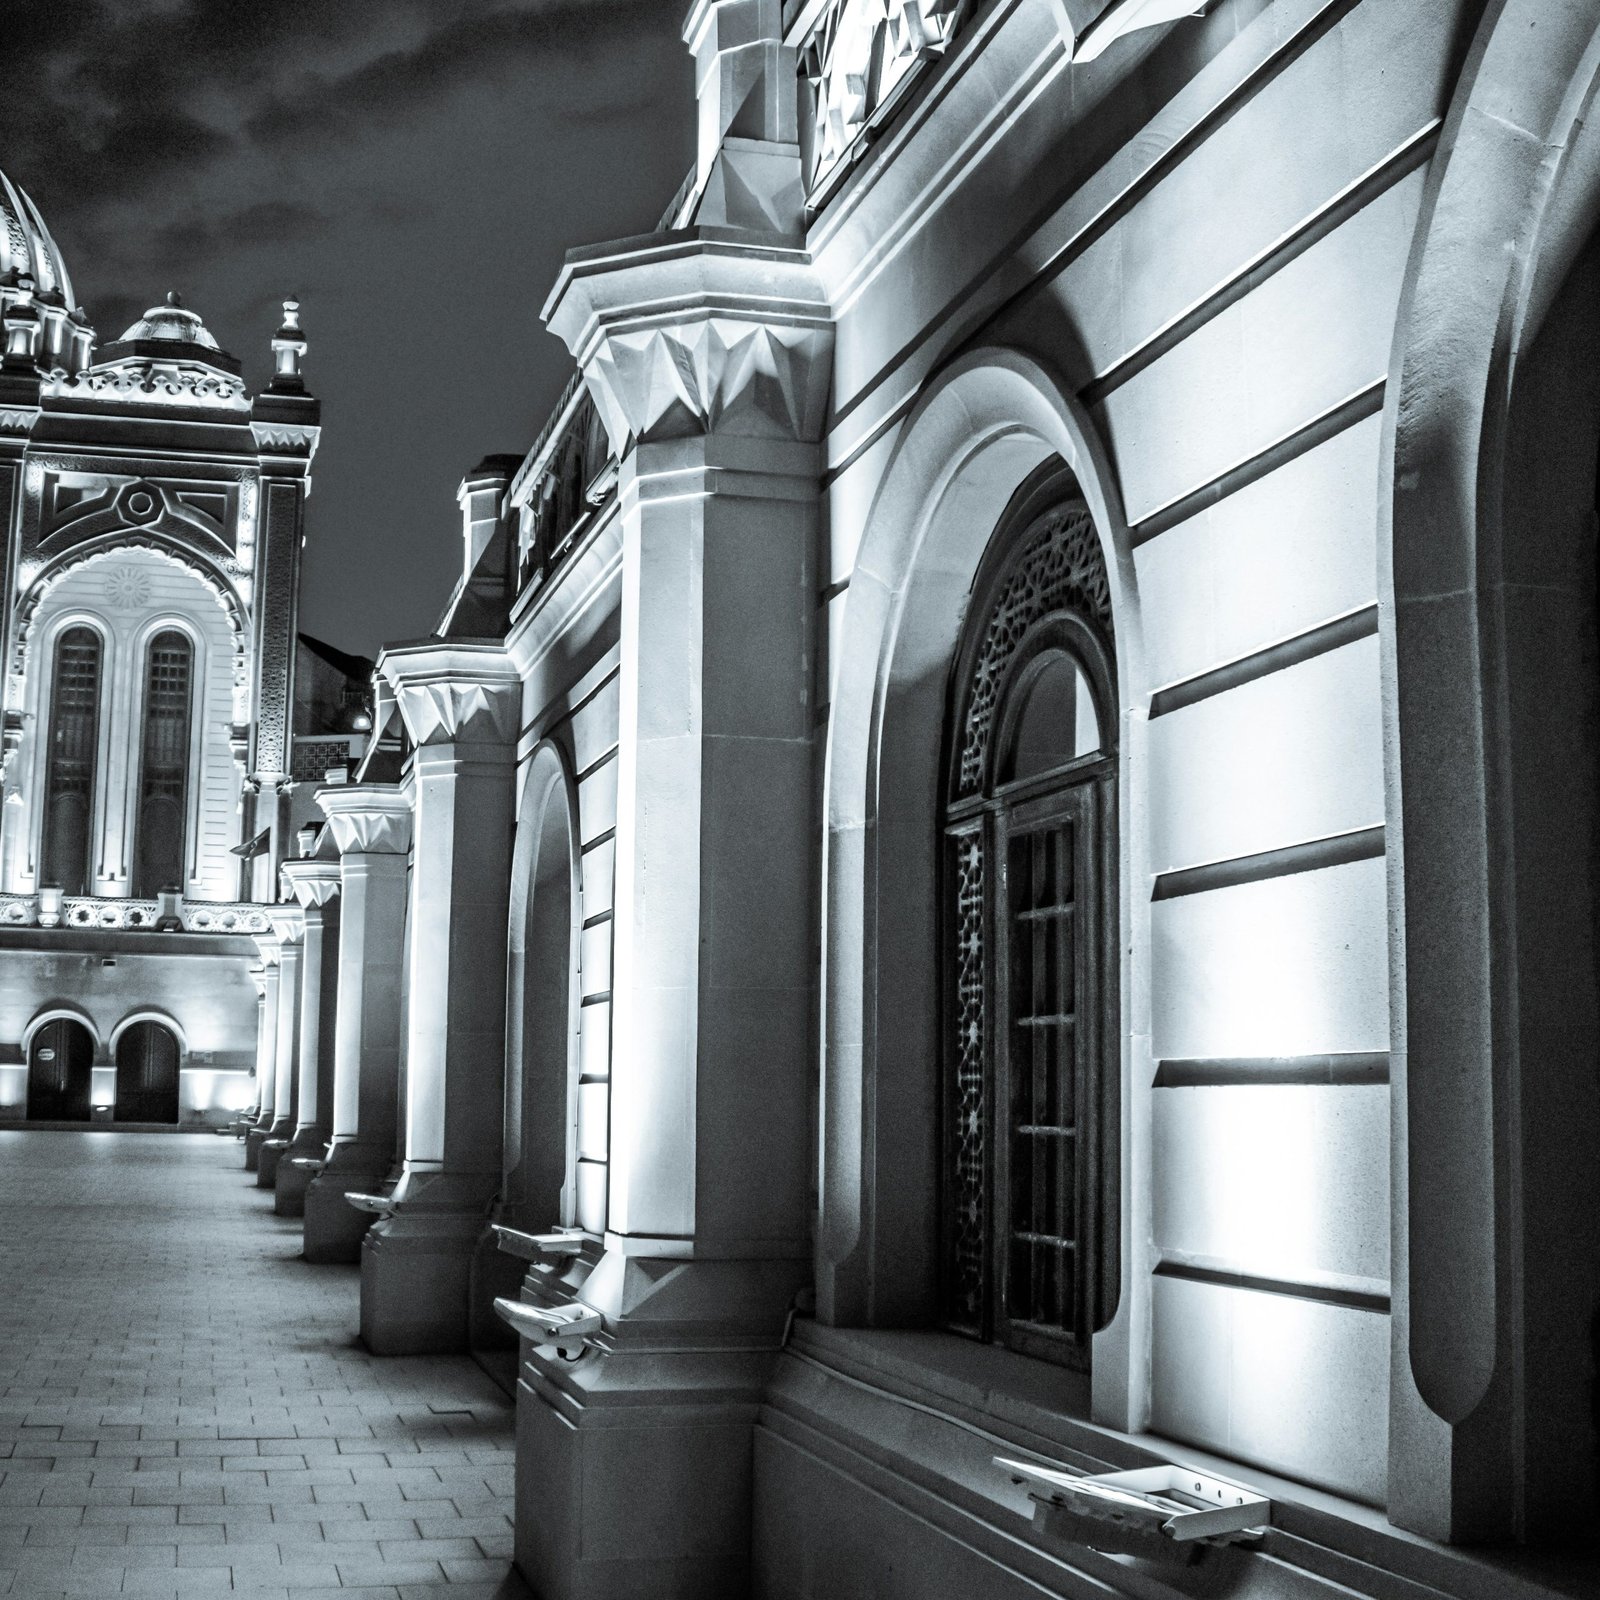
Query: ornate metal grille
[1059, 567]
[69, 785]
[967, 1197]
[164, 771]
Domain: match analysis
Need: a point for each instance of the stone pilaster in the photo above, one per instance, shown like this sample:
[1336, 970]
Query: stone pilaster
[709, 356]
[461, 703]
[266, 1052]
[315, 886]
[288, 924]
[371, 828]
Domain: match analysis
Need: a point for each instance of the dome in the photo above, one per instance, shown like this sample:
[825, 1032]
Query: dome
[172, 324]
[26, 247]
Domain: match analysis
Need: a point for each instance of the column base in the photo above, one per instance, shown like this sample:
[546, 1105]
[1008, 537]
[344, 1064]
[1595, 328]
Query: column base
[416, 1271]
[289, 1193]
[253, 1142]
[268, 1161]
[334, 1228]
[635, 1463]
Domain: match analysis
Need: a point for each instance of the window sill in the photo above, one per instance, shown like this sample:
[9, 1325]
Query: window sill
[1032, 1406]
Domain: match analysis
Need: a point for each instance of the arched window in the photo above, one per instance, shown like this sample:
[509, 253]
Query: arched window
[1029, 1201]
[70, 770]
[164, 766]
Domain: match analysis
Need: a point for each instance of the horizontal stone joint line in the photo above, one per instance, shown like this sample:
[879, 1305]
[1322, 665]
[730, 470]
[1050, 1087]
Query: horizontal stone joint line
[1326, 220]
[1342, 849]
[1321, 640]
[1358, 407]
[1326, 1294]
[1118, 207]
[1359, 1067]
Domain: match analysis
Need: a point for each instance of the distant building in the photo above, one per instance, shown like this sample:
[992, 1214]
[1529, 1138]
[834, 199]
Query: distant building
[154, 518]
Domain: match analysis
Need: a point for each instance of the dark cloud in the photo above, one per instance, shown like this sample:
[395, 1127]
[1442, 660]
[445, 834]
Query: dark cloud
[470, 51]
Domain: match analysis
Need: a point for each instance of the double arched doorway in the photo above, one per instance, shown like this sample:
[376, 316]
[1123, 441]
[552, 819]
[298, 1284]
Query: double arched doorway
[62, 1051]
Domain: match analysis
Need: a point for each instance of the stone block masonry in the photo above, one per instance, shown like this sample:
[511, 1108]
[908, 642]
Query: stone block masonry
[183, 1410]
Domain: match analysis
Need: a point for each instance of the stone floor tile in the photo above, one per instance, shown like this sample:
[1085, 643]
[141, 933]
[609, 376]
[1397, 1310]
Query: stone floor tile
[219, 1420]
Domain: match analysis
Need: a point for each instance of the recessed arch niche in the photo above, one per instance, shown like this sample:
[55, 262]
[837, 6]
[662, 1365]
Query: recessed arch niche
[982, 427]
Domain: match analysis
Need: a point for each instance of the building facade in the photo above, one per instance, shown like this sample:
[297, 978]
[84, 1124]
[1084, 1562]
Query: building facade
[993, 858]
[154, 517]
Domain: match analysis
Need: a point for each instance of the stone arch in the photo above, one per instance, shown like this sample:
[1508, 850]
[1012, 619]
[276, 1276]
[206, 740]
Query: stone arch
[61, 1011]
[982, 426]
[214, 580]
[545, 918]
[1486, 583]
[163, 1019]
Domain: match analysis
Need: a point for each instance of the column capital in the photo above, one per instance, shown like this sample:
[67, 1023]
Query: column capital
[367, 818]
[288, 924]
[311, 882]
[712, 330]
[455, 691]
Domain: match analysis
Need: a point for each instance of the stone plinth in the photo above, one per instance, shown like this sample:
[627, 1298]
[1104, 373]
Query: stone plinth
[288, 924]
[461, 703]
[371, 827]
[709, 358]
[315, 885]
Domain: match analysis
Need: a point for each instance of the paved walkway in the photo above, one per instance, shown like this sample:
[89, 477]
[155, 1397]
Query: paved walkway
[184, 1408]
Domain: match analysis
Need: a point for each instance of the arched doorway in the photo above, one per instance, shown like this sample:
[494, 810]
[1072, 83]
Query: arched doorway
[542, 1004]
[1029, 1181]
[60, 1072]
[539, 1153]
[147, 1073]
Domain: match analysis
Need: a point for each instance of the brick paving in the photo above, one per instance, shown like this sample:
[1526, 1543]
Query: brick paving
[185, 1409]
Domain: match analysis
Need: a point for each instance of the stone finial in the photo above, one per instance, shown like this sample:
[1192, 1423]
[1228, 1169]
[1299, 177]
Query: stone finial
[288, 350]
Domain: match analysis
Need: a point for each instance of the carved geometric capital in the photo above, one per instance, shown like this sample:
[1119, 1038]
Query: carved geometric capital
[367, 818]
[687, 335]
[312, 883]
[288, 924]
[454, 692]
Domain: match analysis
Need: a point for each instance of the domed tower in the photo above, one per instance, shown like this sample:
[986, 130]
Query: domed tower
[45, 330]
[151, 563]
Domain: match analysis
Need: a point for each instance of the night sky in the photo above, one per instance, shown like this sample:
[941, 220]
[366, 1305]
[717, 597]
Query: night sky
[414, 170]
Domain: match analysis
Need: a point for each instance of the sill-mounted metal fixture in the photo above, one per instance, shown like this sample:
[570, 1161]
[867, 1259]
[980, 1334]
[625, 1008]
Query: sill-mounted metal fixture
[1163, 1513]
[568, 1328]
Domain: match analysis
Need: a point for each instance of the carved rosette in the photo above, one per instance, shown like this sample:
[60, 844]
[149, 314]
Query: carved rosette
[312, 883]
[368, 819]
[686, 337]
[455, 693]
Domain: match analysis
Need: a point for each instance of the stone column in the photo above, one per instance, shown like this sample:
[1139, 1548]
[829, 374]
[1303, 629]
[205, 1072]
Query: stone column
[709, 356]
[371, 826]
[266, 1053]
[315, 885]
[461, 702]
[288, 923]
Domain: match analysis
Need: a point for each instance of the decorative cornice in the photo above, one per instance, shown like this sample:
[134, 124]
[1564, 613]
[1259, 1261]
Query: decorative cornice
[367, 818]
[144, 381]
[281, 439]
[706, 331]
[312, 883]
[455, 691]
